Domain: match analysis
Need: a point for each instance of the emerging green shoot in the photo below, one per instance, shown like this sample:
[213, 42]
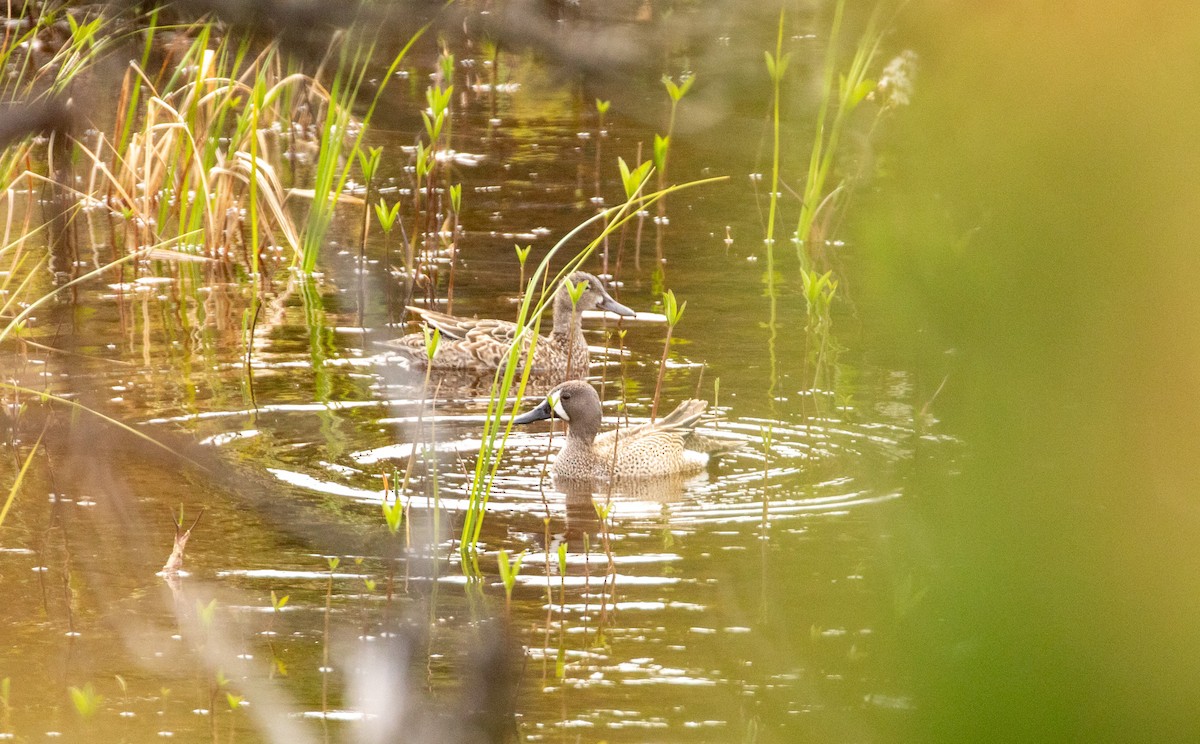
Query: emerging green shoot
[575, 291]
[633, 180]
[86, 700]
[368, 162]
[278, 603]
[676, 92]
[393, 513]
[819, 290]
[509, 571]
[206, 612]
[673, 310]
[522, 256]
[387, 216]
[432, 340]
[661, 144]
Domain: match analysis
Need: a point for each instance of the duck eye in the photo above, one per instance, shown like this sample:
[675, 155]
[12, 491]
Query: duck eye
[566, 396]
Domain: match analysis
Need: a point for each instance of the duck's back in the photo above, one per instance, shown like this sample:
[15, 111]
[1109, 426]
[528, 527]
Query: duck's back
[482, 344]
[645, 451]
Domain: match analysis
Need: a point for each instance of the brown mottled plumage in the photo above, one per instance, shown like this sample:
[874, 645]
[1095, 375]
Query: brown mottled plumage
[649, 450]
[482, 344]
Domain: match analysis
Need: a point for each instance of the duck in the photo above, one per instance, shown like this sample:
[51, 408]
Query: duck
[482, 344]
[656, 449]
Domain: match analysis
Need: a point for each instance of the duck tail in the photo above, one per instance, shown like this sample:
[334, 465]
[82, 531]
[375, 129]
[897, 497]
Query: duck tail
[685, 415]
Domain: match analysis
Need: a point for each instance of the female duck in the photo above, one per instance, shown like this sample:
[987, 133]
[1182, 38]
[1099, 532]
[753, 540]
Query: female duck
[659, 448]
[482, 344]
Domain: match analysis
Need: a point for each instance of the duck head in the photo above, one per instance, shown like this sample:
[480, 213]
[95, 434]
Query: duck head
[575, 402]
[594, 297]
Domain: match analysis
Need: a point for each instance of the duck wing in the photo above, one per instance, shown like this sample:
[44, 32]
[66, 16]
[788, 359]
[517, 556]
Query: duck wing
[454, 326]
[673, 428]
[466, 342]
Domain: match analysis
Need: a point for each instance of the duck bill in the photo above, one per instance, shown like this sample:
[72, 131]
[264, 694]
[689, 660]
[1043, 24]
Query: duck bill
[613, 306]
[541, 413]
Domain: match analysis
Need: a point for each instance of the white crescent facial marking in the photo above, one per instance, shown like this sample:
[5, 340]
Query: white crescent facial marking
[556, 404]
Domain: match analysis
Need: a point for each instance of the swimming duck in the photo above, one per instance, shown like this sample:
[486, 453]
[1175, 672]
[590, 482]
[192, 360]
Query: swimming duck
[482, 344]
[659, 448]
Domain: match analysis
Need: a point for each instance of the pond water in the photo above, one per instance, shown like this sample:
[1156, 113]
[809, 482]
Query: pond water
[801, 589]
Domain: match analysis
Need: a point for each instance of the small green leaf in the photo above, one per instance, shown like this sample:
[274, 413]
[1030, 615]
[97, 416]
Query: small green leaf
[433, 125]
[206, 612]
[333, 562]
[432, 339]
[385, 215]
[633, 179]
[85, 699]
[688, 80]
[456, 197]
[562, 558]
[393, 514]
[661, 145]
[672, 89]
[602, 106]
[575, 290]
[235, 701]
[671, 308]
[860, 92]
[523, 253]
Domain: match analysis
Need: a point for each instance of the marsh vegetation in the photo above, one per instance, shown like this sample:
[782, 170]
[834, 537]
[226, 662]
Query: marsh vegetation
[218, 218]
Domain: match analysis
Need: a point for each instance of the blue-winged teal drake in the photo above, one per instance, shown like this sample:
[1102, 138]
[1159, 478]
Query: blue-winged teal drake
[481, 344]
[656, 449]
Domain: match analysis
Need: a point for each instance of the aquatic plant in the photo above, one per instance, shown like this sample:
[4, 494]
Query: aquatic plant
[833, 116]
[673, 309]
[819, 291]
[368, 164]
[333, 167]
[509, 571]
[522, 256]
[20, 479]
[661, 152]
[85, 699]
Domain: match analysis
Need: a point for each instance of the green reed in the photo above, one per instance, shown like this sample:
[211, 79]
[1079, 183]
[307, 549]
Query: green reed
[777, 65]
[334, 164]
[673, 309]
[852, 88]
[20, 479]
